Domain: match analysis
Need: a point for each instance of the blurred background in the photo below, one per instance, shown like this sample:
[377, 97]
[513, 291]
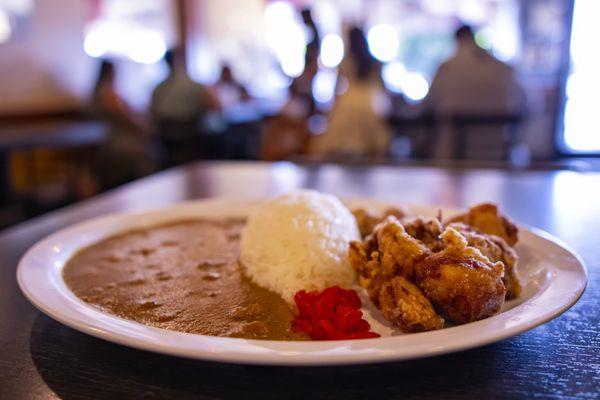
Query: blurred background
[96, 93]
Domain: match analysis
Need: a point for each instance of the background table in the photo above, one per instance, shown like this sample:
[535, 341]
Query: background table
[41, 358]
[52, 133]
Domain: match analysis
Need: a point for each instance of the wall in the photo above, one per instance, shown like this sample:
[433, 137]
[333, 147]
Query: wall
[227, 31]
[44, 68]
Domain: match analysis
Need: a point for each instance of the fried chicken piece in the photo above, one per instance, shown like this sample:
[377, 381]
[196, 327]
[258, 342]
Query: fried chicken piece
[358, 257]
[496, 249]
[405, 306]
[360, 262]
[400, 252]
[486, 218]
[415, 273]
[367, 220]
[388, 252]
[461, 283]
[390, 247]
[397, 212]
[364, 258]
[427, 230]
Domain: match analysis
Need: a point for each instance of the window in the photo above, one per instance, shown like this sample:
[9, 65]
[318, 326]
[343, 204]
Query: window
[581, 132]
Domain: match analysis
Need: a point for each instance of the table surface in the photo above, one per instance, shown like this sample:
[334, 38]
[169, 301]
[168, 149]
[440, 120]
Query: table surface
[44, 359]
[53, 134]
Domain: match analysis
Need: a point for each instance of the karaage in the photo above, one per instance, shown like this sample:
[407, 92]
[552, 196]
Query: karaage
[418, 271]
[486, 218]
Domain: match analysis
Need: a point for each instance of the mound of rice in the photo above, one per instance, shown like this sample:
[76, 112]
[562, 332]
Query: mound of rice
[299, 241]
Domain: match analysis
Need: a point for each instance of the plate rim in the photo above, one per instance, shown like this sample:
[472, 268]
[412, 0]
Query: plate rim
[282, 352]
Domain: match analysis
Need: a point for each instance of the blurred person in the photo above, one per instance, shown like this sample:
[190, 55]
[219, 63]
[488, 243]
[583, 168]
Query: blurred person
[301, 89]
[178, 105]
[471, 82]
[127, 152]
[228, 90]
[309, 22]
[287, 133]
[356, 129]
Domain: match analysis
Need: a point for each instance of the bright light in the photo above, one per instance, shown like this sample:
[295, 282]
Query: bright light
[506, 44]
[583, 85]
[443, 7]
[471, 11]
[146, 47]
[483, 38]
[112, 38]
[327, 16]
[415, 86]
[203, 63]
[286, 37]
[5, 30]
[292, 65]
[277, 81]
[502, 42]
[412, 84]
[95, 44]
[279, 12]
[323, 86]
[17, 7]
[392, 74]
[573, 194]
[332, 50]
[383, 42]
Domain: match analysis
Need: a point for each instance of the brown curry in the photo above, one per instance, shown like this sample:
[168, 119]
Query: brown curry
[183, 276]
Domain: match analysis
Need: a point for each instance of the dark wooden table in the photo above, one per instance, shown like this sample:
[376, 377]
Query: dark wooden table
[41, 358]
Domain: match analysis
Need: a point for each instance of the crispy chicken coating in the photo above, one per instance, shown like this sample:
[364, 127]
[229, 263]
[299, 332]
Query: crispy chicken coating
[496, 249]
[364, 263]
[420, 272]
[399, 251]
[357, 255]
[384, 273]
[403, 304]
[486, 218]
[367, 220]
[427, 230]
[390, 248]
[461, 283]
[389, 251]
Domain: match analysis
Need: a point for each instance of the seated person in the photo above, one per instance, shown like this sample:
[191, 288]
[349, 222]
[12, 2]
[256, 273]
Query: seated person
[177, 106]
[356, 130]
[126, 155]
[228, 89]
[471, 82]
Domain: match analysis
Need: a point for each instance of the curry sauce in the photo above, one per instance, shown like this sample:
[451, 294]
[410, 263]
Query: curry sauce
[183, 276]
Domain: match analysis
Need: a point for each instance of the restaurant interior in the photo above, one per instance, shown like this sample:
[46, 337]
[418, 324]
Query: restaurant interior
[299, 199]
[98, 93]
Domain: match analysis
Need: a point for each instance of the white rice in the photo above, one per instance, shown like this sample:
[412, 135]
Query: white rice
[299, 241]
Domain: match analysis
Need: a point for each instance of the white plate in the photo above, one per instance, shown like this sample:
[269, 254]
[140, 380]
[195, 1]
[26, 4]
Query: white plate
[553, 278]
